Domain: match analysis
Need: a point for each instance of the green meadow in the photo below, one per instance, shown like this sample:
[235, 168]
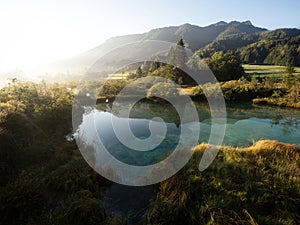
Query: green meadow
[267, 70]
[252, 70]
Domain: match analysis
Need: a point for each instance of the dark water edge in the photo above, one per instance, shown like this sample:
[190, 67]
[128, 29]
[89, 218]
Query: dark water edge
[128, 202]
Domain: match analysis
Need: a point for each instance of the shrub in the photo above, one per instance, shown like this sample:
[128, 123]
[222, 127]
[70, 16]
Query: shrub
[225, 66]
[22, 200]
[162, 90]
[112, 87]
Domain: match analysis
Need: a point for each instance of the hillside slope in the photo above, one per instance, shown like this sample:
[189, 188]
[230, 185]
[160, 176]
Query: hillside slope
[253, 44]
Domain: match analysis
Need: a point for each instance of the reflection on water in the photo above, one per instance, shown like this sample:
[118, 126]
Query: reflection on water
[245, 122]
[140, 128]
[245, 125]
[254, 123]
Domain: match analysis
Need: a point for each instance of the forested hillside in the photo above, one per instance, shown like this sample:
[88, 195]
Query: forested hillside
[278, 47]
[252, 44]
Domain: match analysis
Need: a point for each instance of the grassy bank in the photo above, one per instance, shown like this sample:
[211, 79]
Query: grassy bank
[270, 91]
[255, 185]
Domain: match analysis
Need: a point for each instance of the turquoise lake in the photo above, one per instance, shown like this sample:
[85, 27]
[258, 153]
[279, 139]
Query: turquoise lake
[246, 124]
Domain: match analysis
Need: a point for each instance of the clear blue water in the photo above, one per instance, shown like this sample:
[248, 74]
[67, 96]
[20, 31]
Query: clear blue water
[246, 124]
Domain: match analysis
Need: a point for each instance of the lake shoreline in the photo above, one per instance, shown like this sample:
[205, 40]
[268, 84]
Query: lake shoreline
[117, 197]
[256, 101]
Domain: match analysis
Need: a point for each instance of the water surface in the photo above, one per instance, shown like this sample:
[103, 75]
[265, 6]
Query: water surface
[245, 125]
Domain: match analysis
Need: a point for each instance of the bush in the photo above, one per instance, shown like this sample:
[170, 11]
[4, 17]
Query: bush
[112, 88]
[225, 66]
[234, 90]
[82, 208]
[162, 90]
[22, 200]
[74, 176]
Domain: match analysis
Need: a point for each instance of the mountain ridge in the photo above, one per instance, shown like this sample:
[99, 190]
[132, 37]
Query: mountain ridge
[220, 36]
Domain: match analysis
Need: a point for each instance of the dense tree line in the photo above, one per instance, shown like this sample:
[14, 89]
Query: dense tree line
[279, 47]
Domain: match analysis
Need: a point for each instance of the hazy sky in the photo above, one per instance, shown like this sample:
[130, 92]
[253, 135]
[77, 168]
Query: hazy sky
[45, 30]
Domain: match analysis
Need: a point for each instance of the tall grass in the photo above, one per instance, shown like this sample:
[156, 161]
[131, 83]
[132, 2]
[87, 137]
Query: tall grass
[255, 185]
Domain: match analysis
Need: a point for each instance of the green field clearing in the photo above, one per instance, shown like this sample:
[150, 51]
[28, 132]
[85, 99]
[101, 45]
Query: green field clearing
[252, 70]
[267, 70]
[118, 76]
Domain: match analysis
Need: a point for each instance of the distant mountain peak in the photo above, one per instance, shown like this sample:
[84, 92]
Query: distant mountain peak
[221, 23]
[186, 25]
[247, 22]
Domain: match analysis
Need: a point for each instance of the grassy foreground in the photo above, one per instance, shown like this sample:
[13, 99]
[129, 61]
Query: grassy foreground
[255, 185]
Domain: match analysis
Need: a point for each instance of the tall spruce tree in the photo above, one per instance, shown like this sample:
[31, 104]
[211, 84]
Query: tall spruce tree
[178, 56]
